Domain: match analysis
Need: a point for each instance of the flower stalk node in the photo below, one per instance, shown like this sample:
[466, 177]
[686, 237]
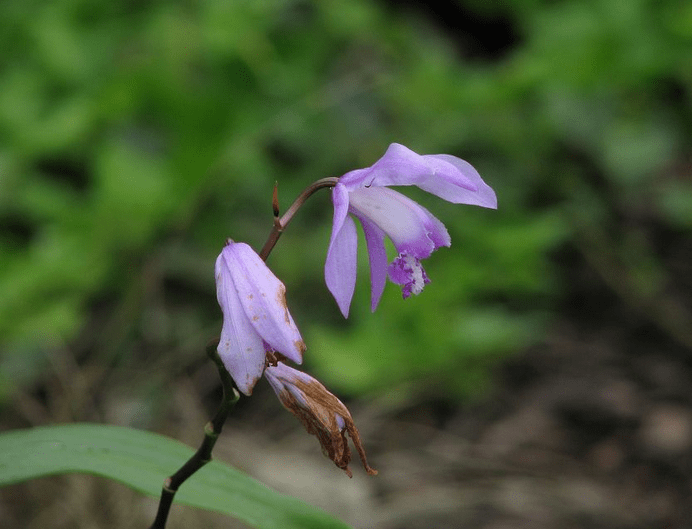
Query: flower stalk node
[275, 203]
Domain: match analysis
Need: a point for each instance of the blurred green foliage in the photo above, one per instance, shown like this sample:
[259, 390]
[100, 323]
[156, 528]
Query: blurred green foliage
[134, 138]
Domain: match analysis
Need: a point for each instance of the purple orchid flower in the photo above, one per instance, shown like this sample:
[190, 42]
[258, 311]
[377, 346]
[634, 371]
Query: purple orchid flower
[321, 413]
[255, 316]
[415, 232]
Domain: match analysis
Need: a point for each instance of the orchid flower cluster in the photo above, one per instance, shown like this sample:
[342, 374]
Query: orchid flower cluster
[259, 336]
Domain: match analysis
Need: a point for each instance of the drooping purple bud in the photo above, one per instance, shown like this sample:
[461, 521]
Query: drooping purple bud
[255, 315]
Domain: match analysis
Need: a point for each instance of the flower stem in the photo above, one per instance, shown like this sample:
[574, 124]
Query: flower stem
[281, 223]
[203, 455]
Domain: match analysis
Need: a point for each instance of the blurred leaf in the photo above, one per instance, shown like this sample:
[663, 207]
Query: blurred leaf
[675, 201]
[142, 460]
[632, 151]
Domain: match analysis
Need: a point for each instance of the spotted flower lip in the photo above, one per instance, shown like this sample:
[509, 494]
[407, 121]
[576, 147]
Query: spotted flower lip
[321, 413]
[383, 212]
[255, 316]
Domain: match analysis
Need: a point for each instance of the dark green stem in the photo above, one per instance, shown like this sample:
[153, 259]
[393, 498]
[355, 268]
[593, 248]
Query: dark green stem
[203, 455]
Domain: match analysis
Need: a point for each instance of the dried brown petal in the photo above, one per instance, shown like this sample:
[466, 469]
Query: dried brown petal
[321, 413]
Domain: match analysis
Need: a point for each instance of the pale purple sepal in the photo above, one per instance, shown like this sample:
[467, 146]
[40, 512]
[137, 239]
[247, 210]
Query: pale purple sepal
[443, 175]
[340, 268]
[255, 315]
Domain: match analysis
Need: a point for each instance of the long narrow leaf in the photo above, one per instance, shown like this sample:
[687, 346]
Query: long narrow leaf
[142, 460]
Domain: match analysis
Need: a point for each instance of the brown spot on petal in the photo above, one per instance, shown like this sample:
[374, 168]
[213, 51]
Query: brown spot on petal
[281, 296]
[300, 346]
[281, 300]
[251, 385]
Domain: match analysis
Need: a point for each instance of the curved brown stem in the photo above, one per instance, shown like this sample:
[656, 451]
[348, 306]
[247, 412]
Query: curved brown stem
[281, 223]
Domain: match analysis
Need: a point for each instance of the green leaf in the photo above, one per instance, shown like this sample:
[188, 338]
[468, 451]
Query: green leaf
[142, 460]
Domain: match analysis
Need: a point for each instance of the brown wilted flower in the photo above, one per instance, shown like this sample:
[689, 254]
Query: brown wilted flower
[322, 414]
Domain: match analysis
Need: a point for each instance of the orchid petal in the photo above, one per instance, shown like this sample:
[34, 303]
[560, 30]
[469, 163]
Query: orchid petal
[264, 300]
[240, 348]
[340, 199]
[448, 177]
[253, 303]
[411, 227]
[399, 166]
[341, 265]
[453, 185]
[284, 378]
[377, 255]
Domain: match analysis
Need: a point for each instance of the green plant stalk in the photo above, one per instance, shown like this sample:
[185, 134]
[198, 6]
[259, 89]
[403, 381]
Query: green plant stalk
[212, 430]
